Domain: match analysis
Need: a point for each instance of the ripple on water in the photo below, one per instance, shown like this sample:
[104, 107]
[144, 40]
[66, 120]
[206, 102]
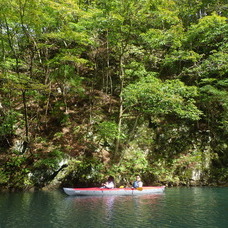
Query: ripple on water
[177, 207]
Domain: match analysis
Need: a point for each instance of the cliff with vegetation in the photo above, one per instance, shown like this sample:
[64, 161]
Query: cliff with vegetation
[96, 88]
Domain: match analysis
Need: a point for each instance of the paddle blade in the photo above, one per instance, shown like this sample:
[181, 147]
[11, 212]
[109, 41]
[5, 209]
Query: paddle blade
[139, 189]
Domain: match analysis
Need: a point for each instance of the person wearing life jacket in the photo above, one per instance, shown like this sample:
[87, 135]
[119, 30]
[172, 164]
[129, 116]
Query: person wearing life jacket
[138, 183]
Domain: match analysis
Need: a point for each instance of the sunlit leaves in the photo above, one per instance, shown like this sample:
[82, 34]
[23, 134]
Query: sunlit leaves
[181, 56]
[208, 34]
[21, 82]
[114, 47]
[152, 96]
[107, 130]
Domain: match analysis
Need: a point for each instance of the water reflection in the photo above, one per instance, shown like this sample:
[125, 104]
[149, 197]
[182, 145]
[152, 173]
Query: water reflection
[177, 207]
[114, 210]
[196, 207]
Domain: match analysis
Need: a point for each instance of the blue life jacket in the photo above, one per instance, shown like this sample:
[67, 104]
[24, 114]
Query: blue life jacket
[135, 184]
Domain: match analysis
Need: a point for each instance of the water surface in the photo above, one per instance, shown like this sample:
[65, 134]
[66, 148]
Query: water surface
[177, 207]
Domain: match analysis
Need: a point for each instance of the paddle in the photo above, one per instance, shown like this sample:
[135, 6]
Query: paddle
[139, 189]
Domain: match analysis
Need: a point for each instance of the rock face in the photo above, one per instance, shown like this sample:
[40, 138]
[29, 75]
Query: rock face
[56, 182]
[63, 176]
[196, 177]
[57, 177]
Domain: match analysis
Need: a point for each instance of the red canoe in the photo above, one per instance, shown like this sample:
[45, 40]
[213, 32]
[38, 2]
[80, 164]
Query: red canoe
[113, 191]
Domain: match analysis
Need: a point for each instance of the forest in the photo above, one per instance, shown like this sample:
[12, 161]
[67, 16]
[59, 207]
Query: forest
[91, 88]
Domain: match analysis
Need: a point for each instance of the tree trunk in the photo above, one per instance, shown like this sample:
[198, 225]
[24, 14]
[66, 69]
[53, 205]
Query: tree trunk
[117, 147]
[25, 117]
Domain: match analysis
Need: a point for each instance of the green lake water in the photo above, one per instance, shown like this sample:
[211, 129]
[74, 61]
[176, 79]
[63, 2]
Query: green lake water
[177, 207]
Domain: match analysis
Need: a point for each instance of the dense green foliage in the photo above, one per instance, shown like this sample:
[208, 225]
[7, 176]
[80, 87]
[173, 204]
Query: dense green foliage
[120, 87]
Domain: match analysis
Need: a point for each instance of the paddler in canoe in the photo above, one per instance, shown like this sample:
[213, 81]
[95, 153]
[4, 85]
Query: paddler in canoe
[138, 183]
[109, 183]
